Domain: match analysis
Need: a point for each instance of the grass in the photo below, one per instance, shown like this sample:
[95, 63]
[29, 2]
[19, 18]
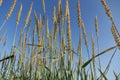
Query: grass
[48, 55]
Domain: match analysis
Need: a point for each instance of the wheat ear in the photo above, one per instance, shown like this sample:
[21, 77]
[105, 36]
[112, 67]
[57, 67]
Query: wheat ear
[43, 5]
[70, 57]
[59, 11]
[117, 40]
[18, 15]
[1, 1]
[8, 14]
[11, 9]
[108, 12]
[79, 13]
[28, 16]
[54, 15]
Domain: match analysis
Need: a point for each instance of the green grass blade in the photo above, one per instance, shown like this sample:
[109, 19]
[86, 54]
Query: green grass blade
[105, 51]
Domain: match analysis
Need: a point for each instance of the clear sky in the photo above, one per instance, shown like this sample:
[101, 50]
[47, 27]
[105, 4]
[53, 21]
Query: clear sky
[89, 9]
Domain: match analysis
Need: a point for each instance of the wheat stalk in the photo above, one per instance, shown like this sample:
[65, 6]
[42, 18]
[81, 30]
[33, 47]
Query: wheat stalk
[1, 39]
[27, 64]
[93, 55]
[86, 44]
[18, 15]
[28, 16]
[96, 31]
[5, 42]
[79, 51]
[20, 40]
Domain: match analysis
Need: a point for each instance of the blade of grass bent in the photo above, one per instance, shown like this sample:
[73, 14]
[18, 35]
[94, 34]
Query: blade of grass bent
[105, 51]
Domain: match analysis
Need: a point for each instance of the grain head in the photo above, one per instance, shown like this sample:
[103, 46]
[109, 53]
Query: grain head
[1, 1]
[116, 38]
[96, 25]
[43, 5]
[79, 13]
[28, 15]
[18, 15]
[11, 9]
[54, 18]
[108, 12]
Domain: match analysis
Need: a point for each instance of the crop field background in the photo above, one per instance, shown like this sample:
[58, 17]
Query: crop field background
[59, 40]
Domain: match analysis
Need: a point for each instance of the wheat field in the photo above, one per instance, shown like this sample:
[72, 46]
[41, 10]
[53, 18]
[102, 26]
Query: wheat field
[43, 46]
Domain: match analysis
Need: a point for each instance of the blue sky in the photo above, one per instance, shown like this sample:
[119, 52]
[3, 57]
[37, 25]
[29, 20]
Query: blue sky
[89, 9]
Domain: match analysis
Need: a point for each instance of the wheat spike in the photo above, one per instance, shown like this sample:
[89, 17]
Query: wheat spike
[79, 13]
[55, 30]
[42, 20]
[47, 32]
[115, 36]
[69, 29]
[11, 9]
[47, 29]
[37, 25]
[84, 34]
[1, 1]
[108, 12]
[79, 49]
[55, 23]
[66, 9]
[43, 5]
[54, 15]
[96, 25]
[93, 45]
[59, 10]
[18, 15]
[42, 40]
[70, 57]
[36, 20]
[63, 45]
[28, 16]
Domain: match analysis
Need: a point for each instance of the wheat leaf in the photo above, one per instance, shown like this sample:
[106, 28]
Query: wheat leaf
[105, 51]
